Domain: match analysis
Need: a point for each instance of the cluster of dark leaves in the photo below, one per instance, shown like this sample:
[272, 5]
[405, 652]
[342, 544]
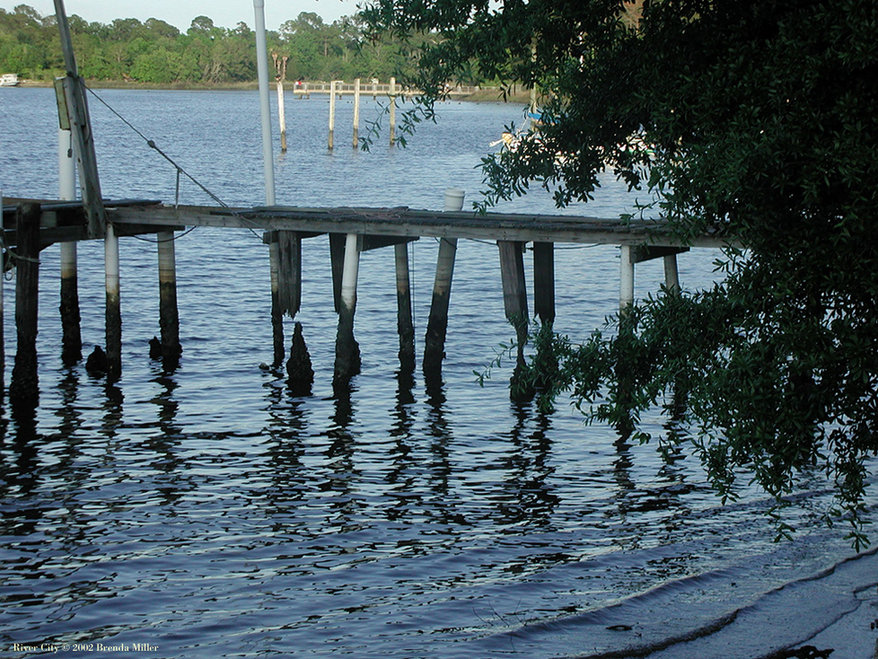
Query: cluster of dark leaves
[753, 120]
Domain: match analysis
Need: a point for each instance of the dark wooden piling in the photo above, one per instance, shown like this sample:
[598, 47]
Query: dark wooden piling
[347, 351]
[404, 324]
[336, 258]
[169, 318]
[71, 334]
[437, 324]
[544, 282]
[289, 279]
[113, 314]
[24, 387]
[277, 324]
[515, 305]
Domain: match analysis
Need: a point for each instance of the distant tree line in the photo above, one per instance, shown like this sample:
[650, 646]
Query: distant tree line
[157, 52]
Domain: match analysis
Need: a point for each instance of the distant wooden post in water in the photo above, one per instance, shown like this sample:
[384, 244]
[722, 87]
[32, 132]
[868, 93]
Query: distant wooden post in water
[280, 65]
[356, 113]
[392, 93]
[331, 114]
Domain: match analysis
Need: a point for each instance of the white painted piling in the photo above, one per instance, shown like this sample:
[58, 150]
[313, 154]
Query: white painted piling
[626, 279]
[356, 112]
[113, 306]
[281, 116]
[350, 271]
[264, 106]
[672, 275]
[331, 114]
[71, 336]
[392, 92]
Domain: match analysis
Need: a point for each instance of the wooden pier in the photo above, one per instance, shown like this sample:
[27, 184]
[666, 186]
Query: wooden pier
[351, 231]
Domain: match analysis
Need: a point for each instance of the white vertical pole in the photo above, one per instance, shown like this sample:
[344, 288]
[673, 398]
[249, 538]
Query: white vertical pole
[626, 279]
[356, 112]
[392, 93]
[350, 271]
[331, 114]
[262, 72]
[67, 192]
[672, 276]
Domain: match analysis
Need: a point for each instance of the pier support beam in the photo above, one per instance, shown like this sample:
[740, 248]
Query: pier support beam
[71, 333]
[169, 318]
[626, 279]
[404, 325]
[336, 259]
[24, 387]
[544, 282]
[113, 314]
[347, 351]
[672, 275]
[437, 324]
[515, 305]
[277, 324]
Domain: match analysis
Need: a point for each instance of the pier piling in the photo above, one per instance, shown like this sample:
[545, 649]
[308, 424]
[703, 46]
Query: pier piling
[113, 312]
[347, 351]
[24, 387]
[514, 302]
[544, 282]
[331, 114]
[71, 333]
[437, 323]
[404, 324]
[277, 325]
[169, 319]
[392, 93]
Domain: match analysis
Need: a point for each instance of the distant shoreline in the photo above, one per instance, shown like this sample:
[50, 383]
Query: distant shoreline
[488, 95]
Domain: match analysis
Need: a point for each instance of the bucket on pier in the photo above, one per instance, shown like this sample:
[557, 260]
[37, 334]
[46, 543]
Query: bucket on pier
[454, 199]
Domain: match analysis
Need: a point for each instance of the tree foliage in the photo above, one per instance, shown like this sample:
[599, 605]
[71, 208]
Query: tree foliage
[156, 52]
[754, 118]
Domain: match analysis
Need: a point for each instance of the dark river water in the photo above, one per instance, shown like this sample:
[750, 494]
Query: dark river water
[209, 513]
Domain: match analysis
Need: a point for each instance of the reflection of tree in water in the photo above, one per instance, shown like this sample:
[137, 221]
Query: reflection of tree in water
[660, 507]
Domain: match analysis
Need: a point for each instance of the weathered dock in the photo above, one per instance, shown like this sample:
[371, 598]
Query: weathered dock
[30, 225]
[351, 231]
